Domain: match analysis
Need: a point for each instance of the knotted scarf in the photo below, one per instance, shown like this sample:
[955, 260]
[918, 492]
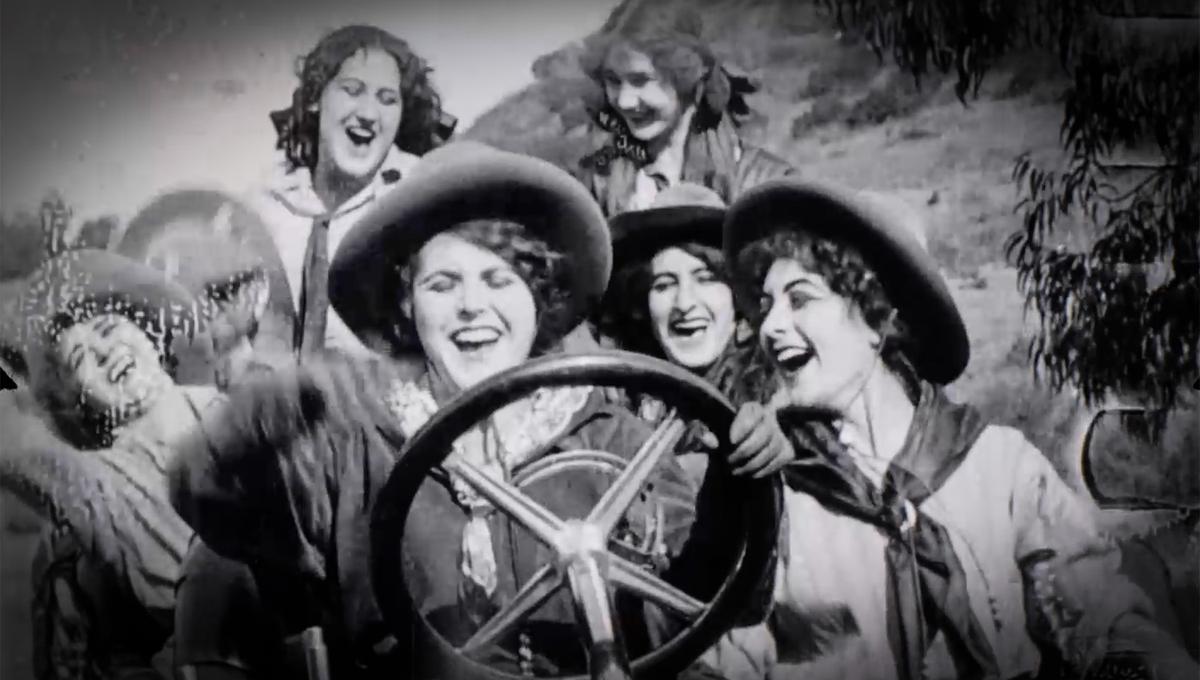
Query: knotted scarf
[927, 588]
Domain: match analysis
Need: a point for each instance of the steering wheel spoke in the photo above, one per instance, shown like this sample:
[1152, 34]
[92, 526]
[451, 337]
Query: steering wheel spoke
[617, 499]
[510, 500]
[650, 587]
[540, 587]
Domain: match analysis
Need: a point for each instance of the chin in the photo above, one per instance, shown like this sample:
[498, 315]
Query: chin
[355, 167]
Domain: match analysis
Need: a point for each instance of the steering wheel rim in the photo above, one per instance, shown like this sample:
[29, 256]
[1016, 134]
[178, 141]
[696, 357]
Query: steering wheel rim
[758, 501]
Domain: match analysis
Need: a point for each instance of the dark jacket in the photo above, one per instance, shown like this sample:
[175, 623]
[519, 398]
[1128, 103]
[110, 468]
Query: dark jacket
[285, 477]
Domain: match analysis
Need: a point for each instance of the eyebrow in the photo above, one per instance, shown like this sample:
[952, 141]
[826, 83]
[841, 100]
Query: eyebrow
[802, 280]
[75, 356]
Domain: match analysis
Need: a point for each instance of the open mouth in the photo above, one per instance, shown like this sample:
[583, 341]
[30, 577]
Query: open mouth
[792, 358]
[121, 367]
[474, 338]
[640, 117]
[688, 328]
[360, 136]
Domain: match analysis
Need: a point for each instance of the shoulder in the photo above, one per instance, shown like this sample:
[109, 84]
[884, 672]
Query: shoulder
[757, 165]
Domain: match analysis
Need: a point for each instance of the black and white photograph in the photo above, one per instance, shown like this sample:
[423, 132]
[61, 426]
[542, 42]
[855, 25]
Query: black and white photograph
[600, 339]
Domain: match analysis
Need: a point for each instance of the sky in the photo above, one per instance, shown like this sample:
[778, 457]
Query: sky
[113, 101]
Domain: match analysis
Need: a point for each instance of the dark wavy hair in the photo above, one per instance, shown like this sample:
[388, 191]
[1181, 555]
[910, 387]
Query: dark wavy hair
[848, 275]
[421, 122]
[541, 267]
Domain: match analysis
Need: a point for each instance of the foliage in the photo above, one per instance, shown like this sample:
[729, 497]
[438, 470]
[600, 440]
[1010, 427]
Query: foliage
[1117, 314]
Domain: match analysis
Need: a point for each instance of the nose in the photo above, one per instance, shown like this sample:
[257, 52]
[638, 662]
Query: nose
[627, 98]
[685, 297]
[775, 323]
[471, 296]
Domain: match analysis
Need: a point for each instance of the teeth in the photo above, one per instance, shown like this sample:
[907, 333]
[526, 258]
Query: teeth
[689, 326]
[475, 336]
[793, 358]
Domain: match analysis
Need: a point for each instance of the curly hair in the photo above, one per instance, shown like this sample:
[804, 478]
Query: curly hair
[673, 43]
[849, 276]
[541, 267]
[76, 419]
[298, 126]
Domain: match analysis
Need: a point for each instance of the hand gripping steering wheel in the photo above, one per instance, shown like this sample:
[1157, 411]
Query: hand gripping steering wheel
[587, 561]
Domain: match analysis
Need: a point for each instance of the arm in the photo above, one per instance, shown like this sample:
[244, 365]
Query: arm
[1090, 610]
[258, 480]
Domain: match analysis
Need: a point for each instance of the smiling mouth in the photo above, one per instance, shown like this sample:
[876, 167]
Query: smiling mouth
[474, 338]
[792, 359]
[121, 367]
[688, 328]
[360, 136]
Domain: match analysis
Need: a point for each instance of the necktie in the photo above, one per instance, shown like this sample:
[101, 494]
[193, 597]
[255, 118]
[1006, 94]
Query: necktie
[314, 300]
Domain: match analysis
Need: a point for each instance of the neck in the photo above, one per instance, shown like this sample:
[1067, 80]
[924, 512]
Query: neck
[880, 416]
[335, 187]
[668, 150]
[163, 418]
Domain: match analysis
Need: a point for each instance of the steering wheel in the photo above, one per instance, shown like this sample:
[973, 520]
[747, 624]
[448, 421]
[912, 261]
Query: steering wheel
[589, 562]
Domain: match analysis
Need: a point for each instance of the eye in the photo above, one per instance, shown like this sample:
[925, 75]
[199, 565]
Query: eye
[499, 278]
[611, 80]
[440, 284]
[662, 284]
[764, 305]
[388, 97]
[353, 87]
[707, 276]
[639, 79]
[798, 298]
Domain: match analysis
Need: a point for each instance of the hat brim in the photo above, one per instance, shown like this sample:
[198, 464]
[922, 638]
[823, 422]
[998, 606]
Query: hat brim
[84, 283]
[907, 272]
[483, 183]
[213, 259]
[641, 234]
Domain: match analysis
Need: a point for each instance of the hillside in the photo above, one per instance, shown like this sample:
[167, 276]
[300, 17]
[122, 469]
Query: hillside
[830, 106]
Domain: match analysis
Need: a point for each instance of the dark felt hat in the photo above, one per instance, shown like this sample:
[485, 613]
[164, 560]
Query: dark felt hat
[681, 213]
[457, 183]
[884, 234]
[80, 284]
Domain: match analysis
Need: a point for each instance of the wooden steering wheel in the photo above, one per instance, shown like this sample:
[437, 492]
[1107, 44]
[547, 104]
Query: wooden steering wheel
[588, 561]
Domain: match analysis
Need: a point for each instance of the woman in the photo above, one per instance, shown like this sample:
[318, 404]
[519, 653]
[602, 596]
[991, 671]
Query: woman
[667, 114]
[922, 541]
[462, 265]
[364, 110]
[671, 299]
[103, 335]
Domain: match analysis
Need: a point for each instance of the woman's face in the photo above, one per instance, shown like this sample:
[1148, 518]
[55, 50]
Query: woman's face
[691, 308]
[823, 348]
[113, 363]
[646, 101]
[475, 316]
[360, 112]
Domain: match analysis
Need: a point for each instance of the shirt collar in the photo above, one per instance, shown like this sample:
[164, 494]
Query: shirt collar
[294, 188]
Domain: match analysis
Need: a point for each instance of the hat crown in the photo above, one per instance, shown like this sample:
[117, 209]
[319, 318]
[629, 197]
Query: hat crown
[686, 194]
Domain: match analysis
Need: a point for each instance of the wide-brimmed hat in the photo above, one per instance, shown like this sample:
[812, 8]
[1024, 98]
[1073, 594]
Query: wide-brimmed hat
[80, 284]
[680, 213]
[207, 240]
[457, 183]
[883, 235]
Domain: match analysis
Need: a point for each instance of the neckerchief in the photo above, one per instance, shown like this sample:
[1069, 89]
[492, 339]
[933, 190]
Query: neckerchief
[927, 589]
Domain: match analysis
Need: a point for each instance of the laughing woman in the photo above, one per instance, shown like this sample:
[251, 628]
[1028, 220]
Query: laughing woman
[364, 111]
[103, 336]
[923, 542]
[667, 112]
[463, 266]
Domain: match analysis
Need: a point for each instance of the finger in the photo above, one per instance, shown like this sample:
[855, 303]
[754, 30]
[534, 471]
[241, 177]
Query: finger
[758, 462]
[772, 467]
[758, 439]
[745, 421]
